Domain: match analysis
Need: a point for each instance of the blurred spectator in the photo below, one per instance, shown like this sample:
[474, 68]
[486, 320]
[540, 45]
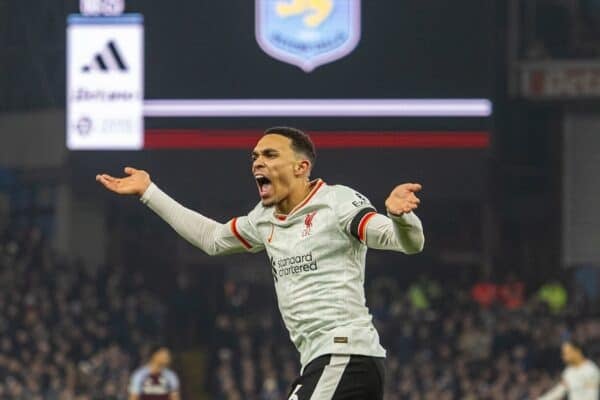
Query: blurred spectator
[185, 312]
[512, 293]
[68, 331]
[155, 381]
[484, 293]
[554, 295]
[418, 297]
[447, 348]
[423, 292]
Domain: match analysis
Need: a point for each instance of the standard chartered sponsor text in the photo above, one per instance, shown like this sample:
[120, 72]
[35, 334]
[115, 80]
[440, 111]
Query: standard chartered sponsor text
[295, 264]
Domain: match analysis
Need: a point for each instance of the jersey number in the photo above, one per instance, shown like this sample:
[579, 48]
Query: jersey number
[294, 395]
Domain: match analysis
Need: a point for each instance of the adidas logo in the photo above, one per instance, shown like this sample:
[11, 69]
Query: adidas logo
[108, 60]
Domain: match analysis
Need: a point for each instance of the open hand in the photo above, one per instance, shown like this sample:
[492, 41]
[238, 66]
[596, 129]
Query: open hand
[136, 183]
[403, 199]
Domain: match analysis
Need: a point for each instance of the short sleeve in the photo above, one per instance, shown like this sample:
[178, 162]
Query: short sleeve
[135, 385]
[173, 381]
[353, 211]
[244, 229]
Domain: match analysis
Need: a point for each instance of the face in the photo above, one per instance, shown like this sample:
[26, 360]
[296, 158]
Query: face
[569, 353]
[162, 357]
[276, 167]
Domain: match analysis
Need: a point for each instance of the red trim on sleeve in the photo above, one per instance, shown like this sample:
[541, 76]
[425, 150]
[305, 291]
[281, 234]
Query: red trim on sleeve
[237, 234]
[362, 226]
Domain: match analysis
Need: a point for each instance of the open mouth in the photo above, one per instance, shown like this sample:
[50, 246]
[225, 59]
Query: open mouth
[265, 188]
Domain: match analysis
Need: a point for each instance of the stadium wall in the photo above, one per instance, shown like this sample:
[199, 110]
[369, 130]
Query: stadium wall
[581, 192]
[33, 139]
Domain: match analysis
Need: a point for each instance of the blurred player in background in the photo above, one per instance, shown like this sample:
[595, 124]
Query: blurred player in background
[155, 381]
[316, 236]
[581, 378]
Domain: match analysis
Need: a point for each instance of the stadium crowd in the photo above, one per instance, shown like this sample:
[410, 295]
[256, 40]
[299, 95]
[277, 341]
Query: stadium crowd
[443, 341]
[68, 331]
[71, 332]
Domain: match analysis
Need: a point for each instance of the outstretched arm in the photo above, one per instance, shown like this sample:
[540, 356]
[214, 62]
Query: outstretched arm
[398, 233]
[136, 183]
[556, 393]
[401, 230]
[210, 236]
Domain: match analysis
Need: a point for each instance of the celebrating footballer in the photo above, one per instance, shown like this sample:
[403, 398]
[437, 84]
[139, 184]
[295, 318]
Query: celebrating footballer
[316, 236]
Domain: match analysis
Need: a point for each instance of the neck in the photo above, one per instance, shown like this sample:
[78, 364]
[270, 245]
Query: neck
[578, 361]
[297, 194]
[154, 368]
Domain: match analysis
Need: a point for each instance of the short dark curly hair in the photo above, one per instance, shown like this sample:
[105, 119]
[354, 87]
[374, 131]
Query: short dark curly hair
[154, 348]
[301, 142]
[576, 344]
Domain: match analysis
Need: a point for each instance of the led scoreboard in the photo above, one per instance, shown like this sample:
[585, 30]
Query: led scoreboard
[205, 74]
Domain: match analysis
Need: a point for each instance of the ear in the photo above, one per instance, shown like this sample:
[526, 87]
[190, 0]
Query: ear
[302, 167]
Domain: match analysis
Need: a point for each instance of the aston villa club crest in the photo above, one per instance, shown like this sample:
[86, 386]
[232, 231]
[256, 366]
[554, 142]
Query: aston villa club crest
[308, 33]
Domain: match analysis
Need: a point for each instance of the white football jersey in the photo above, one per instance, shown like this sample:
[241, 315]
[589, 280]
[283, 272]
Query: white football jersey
[317, 255]
[582, 381]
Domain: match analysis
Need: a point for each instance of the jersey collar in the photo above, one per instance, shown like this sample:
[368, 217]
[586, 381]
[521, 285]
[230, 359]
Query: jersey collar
[316, 184]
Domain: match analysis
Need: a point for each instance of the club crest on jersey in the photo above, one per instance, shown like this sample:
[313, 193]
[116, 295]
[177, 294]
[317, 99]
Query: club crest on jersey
[307, 33]
[308, 223]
